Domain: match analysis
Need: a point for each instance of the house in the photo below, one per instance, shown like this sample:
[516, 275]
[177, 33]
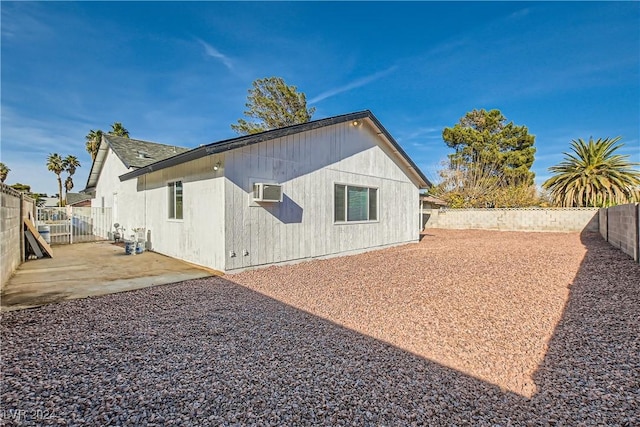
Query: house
[117, 156]
[328, 187]
[49, 202]
[429, 206]
[79, 200]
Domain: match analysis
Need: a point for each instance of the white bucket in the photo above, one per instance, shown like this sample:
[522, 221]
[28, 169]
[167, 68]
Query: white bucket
[45, 232]
[130, 247]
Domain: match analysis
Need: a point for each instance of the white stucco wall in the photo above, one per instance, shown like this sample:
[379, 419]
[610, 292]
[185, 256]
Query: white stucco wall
[308, 165]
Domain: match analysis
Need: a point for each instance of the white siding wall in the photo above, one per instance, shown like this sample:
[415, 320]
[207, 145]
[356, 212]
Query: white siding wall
[127, 212]
[199, 236]
[308, 165]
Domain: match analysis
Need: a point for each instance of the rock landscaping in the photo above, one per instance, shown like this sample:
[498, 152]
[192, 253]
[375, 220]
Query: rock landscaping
[466, 327]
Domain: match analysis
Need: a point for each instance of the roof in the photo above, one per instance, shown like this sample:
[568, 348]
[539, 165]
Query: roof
[134, 153]
[73, 198]
[50, 202]
[433, 200]
[243, 141]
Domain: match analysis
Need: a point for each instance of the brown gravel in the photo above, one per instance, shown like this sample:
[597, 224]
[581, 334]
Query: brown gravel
[464, 328]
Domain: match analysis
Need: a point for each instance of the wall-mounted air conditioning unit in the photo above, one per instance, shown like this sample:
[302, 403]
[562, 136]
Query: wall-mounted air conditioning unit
[264, 192]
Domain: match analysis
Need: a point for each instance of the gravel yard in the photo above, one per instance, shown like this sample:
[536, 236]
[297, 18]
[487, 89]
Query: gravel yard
[466, 327]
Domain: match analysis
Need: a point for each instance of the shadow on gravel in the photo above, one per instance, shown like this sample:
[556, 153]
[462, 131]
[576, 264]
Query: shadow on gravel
[591, 371]
[211, 352]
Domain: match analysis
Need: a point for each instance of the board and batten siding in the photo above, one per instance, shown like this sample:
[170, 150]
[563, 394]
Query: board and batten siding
[120, 196]
[198, 237]
[307, 165]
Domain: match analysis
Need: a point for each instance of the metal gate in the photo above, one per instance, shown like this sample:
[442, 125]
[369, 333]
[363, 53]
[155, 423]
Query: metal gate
[72, 224]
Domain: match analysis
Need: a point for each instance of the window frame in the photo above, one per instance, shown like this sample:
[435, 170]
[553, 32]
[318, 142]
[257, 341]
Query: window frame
[345, 213]
[171, 200]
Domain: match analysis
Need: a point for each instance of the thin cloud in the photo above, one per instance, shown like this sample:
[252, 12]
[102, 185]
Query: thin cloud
[27, 141]
[355, 84]
[432, 132]
[215, 53]
[519, 14]
[23, 21]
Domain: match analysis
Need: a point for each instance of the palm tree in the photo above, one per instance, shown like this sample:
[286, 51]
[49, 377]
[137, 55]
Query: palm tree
[70, 165]
[4, 171]
[119, 130]
[68, 185]
[56, 165]
[593, 175]
[93, 142]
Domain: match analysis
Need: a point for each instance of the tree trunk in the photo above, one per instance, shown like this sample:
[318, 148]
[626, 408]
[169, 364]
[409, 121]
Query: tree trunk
[59, 191]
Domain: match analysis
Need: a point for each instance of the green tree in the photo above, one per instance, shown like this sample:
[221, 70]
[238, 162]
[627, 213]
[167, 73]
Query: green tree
[485, 138]
[93, 139]
[55, 164]
[68, 186]
[70, 165]
[594, 175]
[26, 188]
[23, 188]
[118, 130]
[4, 171]
[491, 166]
[272, 104]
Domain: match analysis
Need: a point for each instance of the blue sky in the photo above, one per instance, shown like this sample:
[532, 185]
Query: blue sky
[178, 73]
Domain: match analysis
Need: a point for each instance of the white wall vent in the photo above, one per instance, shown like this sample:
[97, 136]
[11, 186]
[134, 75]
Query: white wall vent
[263, 192]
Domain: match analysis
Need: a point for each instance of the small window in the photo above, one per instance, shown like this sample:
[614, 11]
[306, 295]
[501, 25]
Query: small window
[354, 204]
[175, 200]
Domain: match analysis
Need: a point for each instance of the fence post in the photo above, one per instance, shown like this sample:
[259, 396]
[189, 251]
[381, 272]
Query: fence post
[69, 212]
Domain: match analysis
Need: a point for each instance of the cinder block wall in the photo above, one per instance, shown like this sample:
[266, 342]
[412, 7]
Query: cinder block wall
[602, 220]
[522, 219]
[620, 228]
[11, 230]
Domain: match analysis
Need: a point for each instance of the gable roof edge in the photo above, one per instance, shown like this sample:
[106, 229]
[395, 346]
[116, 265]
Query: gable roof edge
[245, 140]
[410, 164]
[99, 159]
[128, 150]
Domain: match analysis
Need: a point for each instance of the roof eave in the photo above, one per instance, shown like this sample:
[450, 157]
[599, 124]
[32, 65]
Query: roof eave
[421, 180]
[239, 142]
[96, 166]
[243, 141]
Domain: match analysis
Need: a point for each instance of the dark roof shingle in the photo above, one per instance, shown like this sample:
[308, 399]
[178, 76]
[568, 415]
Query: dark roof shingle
[137, 154]
[73, 198]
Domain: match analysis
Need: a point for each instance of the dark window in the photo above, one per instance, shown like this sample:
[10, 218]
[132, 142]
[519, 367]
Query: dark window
[175, 200]
[352, 203]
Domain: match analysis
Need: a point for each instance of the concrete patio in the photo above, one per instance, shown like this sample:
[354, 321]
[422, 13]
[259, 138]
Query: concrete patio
[91, 269]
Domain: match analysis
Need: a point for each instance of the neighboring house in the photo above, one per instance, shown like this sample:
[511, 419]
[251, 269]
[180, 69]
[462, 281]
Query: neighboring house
[50, 202]
[338, 185]
[117, 156]
[79, 200]
[429, 206]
